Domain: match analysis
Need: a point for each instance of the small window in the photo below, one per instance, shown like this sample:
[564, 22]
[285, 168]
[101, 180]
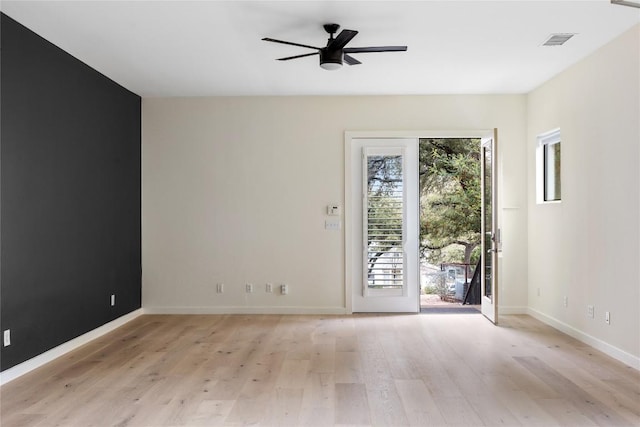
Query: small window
[549, 167]
[552, 187]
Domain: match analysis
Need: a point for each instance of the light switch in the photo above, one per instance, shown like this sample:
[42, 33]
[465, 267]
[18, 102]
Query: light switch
[332, 224]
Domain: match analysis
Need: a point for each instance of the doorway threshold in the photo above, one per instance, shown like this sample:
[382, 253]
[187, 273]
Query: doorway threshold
[451, 309]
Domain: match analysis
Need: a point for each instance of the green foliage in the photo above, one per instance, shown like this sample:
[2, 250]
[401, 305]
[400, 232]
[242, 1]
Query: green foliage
[450, 199]
[430, 290]
[437, 285]
[449, 254]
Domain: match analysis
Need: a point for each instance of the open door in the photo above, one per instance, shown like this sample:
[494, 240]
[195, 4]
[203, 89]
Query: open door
[490, 233]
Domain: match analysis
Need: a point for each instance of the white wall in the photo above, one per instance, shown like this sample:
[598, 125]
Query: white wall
[235, 191]
[587, 247]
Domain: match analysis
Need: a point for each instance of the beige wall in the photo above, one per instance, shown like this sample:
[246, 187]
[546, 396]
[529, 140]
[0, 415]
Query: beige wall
[235, 191]
[587, 247]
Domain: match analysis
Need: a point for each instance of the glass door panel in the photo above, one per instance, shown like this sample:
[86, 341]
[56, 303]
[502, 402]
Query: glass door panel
[384, 224]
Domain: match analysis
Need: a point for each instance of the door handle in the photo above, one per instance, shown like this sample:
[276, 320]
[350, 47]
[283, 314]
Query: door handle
[496, 238]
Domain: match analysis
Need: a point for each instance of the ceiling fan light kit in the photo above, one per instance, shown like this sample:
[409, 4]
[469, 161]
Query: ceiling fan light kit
[335, 53]
[330, 59]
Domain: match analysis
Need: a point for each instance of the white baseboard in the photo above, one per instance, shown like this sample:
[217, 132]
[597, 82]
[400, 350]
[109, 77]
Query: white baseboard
[514, 309]
[245, 310]
[598, 344]
[46, 357]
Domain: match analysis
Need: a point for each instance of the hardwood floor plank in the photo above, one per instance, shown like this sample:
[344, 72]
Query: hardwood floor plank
[527, 411]
[211, 413]
[317, 417]
[589, 406]
[323, 356]
[284, 408]
[23, 420]
[318, 400]
[564, 413]
[419, 406]
[347, 343]
[319, 391]
[386, 407]
[292, 373]
[384, 402]
[347, 367]
[457, 411]
[352, 405]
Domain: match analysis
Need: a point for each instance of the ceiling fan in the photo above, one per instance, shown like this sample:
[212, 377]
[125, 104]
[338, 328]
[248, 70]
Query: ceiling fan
[335, 52]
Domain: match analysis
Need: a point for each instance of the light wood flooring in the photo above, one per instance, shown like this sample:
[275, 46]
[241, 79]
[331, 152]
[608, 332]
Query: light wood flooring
[271, 370]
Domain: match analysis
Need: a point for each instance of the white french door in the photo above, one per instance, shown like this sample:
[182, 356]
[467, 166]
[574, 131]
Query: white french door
[490, 233]
[384, 194]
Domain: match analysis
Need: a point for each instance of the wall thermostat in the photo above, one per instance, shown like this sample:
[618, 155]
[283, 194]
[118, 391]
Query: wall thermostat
[333, 210]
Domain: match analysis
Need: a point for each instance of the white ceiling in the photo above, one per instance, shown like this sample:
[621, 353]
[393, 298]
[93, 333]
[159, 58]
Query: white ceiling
[208, 48]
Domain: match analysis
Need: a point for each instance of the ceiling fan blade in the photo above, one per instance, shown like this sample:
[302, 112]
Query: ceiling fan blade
[351, 60]
[375, 49]
[341, 41]
[267, 39]
[298, 56]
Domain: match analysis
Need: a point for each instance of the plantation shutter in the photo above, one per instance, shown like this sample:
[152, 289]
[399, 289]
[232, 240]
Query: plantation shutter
[384, 231]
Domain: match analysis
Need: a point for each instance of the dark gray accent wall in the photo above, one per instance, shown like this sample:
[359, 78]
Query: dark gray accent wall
[70, 196]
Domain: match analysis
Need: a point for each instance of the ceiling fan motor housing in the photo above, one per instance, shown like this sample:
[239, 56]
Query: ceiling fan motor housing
[330, 59]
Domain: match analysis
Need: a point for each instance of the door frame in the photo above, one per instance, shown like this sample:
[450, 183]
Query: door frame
[352, 249]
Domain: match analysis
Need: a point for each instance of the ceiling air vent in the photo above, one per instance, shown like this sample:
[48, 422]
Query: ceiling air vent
[557, 39]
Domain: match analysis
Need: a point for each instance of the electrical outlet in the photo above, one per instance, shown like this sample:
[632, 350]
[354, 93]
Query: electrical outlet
[113, 300]
[268, 288]
[590, 311]
[220, 288]
[249, 288]
[7, 337]
[284, 289]
[607, 317]
[566, 301]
